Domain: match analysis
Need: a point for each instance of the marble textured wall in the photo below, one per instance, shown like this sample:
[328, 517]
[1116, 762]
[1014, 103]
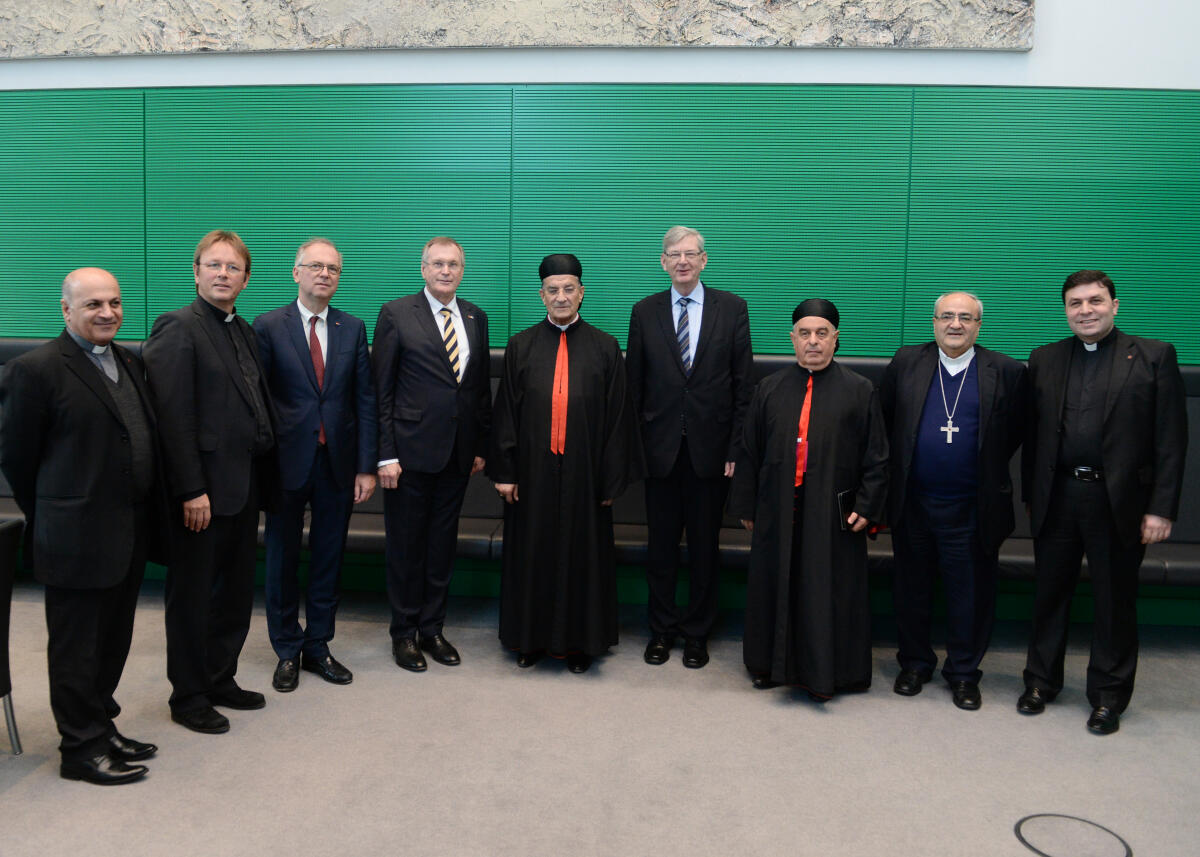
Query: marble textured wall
[46, 28]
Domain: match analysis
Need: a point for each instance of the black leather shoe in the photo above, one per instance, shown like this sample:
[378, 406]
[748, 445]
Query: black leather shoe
[909, 682]
[127, 750]
[1033, 701]
[242, 700]
[440, 650]
[102, 770]
[763, 682]
[407, 655]
[966, 695]
[578, 662]
[327, 668]
[287, 675]
[1104, 721]
[207, 720]
[695, 653]
[658, 650]
[527, 659]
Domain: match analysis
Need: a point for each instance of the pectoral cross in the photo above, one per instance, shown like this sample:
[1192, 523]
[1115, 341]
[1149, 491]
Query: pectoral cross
[949, 428]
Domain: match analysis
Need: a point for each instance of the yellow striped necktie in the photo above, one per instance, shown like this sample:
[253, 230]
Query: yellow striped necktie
[450, 340]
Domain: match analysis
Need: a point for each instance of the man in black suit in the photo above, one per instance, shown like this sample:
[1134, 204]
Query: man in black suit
[432, 382]
[956, 414]
[219, 443]
[317, 366]
[77, 445]
[1102, 471]
[689, 362]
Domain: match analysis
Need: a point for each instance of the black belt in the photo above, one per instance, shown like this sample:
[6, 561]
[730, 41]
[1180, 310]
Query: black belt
[1088, 474]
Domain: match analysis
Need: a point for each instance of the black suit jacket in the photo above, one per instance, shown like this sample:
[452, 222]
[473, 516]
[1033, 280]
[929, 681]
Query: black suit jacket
[1003, 409]
[344, 403]
[205, 417]
[425, 414]
[65, 451]
[1144, 437]
[712, 400]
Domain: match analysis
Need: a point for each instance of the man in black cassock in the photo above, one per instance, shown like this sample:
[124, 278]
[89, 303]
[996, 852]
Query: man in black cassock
[813, 477]
[564, 445]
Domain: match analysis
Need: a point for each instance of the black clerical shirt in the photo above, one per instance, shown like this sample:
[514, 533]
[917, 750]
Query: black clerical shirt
[1083, 404]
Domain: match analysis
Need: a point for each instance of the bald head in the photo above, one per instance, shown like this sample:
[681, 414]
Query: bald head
[91, 304]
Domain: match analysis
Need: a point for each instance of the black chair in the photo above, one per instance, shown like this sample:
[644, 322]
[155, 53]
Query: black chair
[10, 543]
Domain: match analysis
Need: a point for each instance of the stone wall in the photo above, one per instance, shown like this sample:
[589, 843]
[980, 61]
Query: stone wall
[50, 28]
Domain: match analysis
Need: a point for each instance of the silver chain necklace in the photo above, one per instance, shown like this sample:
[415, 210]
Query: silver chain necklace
[950, 428]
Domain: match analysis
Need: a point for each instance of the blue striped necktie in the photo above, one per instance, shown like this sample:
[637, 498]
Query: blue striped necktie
[684, 335]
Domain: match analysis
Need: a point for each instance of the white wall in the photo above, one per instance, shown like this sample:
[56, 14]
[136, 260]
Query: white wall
[1088, 43]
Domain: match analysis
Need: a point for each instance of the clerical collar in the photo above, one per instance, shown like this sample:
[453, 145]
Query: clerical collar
[1108, 339]
[954, 365]
[820, 371]
[87, 345]
[566, 326]
[221, 315]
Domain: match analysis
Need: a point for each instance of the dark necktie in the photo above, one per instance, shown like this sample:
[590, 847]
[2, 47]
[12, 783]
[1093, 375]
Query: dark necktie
[684, 334]
[314, 348]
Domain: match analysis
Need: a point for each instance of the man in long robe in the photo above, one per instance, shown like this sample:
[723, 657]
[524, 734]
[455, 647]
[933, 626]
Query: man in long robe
[813, 478]
[564, 445]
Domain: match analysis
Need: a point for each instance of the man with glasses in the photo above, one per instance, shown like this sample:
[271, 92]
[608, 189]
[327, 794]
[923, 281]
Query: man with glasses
[318, 369]
[432, 381]
[1102, 471]
[218, 433]
[690, 362]
[956, 414]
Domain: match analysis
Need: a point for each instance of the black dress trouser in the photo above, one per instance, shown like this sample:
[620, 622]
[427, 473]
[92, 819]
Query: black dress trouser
[89, 632]
[1080, 522]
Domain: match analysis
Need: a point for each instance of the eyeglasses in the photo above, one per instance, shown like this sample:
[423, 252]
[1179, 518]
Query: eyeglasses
[216, 267]
[962, 317]
[318, 267]
[690, 255]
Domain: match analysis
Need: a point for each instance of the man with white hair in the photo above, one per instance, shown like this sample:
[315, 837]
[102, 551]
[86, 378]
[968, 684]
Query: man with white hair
[956, 414]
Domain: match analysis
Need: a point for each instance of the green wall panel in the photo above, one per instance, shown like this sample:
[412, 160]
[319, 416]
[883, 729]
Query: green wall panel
[799, 191]
[70, 196]
[378, 170]
[1014, 189]
[878, 197]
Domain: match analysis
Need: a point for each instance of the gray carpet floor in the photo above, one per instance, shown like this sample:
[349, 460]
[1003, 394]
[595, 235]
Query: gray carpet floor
[488, 759]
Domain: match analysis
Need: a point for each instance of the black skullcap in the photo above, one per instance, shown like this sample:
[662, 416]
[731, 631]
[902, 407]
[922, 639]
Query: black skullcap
[560, 263]
[819, 307]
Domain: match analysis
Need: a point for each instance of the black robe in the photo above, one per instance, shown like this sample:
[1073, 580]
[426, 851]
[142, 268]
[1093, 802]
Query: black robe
[808, 618]
[558, 583]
